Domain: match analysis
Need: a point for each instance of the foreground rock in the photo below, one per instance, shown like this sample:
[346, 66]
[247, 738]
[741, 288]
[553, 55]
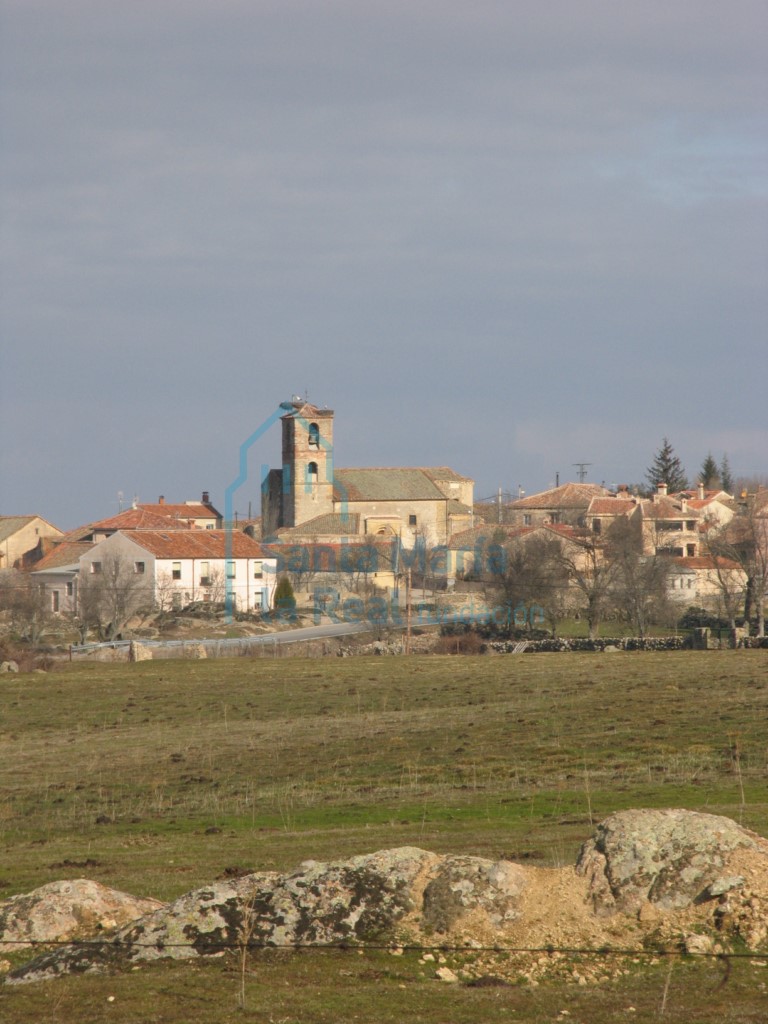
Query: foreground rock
[667, 857]
[672, 878]
[60, 911]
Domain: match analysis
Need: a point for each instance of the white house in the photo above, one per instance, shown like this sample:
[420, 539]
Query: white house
[187, 566]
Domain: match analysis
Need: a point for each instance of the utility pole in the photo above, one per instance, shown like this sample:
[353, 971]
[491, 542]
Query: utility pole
[582, 470]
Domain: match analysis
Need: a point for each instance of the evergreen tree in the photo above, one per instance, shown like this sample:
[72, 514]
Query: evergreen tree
[284, 600]
[709, 473]
[667, 468]
[726, 477]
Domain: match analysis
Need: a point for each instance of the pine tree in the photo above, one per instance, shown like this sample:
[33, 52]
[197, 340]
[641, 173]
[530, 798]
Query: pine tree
[667, 468]
[709, 474]
[726, 477]
[284, 600]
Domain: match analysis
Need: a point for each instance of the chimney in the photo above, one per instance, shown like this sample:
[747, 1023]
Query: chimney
[161, 500]
[662, 489]
[206, 498]
[683, 505]
[701, 491]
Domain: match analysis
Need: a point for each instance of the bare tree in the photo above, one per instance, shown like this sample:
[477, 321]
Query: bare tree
[109, 597]
[593, 575]
[745, 541]
[536, 579]
[639, 588]
[27, 604]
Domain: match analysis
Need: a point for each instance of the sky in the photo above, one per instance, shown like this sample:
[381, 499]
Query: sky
[503, 237]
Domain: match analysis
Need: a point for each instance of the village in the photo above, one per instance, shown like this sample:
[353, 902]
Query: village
[362, 544]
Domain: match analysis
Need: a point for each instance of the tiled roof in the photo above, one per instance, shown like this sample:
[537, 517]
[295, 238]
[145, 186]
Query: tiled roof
[331, 523]
[565, 496]
[611, 506]
[705, 562]
[458, 508]
[12, 524]
[385, 484]
[141, 518]
[182, 511]
[666, 508]
[195, 543]
[65, 553]
[444, 473]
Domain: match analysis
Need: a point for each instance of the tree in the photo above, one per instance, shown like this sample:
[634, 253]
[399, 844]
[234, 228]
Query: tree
[640, 585]
[107, 599]
[27, 604]
[667, 468]
[284, 599]
[745, 541]
[536, 581]
[709, 474]
[592, 574]
[726, 477]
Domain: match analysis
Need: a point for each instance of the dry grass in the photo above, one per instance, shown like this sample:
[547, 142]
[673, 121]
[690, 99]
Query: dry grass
[156, 777]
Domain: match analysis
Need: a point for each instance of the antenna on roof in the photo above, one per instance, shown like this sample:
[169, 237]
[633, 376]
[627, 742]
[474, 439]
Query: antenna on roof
[119, 501]
[582, 470]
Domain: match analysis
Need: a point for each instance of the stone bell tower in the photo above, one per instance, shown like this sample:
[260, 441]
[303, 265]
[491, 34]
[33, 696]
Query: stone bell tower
[307, 473]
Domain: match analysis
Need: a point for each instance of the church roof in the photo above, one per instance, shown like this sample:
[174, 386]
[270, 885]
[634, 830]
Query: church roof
[385, 484]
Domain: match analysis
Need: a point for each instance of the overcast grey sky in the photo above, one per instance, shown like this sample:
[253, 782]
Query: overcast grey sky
[502, 236]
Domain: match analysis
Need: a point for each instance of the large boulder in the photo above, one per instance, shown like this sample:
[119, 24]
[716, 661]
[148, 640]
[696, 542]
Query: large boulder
[666, 857]
[61, 911]
[364, 899]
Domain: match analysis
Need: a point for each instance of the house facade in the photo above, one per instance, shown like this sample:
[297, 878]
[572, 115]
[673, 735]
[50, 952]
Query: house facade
[183, 567]
[22, 536]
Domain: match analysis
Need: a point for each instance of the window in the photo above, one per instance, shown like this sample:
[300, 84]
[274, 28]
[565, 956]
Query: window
[411, 520]
[176, 571]
[597, 525]
[554, 517]
[314, 435]
[312, 475]
[54, 600]
[691, 550]
[258, 570]
[527, 519]
[70, 589]
[205, 574]
[230, 570]
[138, 567]
[95, 568]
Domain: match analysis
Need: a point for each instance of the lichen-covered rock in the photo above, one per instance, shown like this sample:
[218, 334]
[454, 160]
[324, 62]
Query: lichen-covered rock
[74, 909]
[668, 857]
[464, 885]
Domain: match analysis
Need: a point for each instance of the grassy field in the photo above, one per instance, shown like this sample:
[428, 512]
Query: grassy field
[159, 776]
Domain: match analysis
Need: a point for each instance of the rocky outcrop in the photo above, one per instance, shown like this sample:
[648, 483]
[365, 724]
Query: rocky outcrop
[67, 910]
[668, 857]
[677, 877]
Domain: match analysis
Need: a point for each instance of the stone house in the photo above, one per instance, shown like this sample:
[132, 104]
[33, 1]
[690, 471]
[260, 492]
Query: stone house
[566, 504]
[22, 539]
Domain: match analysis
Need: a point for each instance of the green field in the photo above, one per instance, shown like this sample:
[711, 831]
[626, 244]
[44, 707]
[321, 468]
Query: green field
[156, 777]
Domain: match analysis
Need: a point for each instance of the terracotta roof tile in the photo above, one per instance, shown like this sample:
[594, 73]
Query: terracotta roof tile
[196, 543]
[565, 496]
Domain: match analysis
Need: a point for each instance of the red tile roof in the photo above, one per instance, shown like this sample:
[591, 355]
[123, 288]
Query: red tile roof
[197, 543]
[65, 553]
[141, 518]
[182, 511]
[565, 496]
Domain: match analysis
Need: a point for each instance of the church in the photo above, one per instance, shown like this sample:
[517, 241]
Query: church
[310, 500]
